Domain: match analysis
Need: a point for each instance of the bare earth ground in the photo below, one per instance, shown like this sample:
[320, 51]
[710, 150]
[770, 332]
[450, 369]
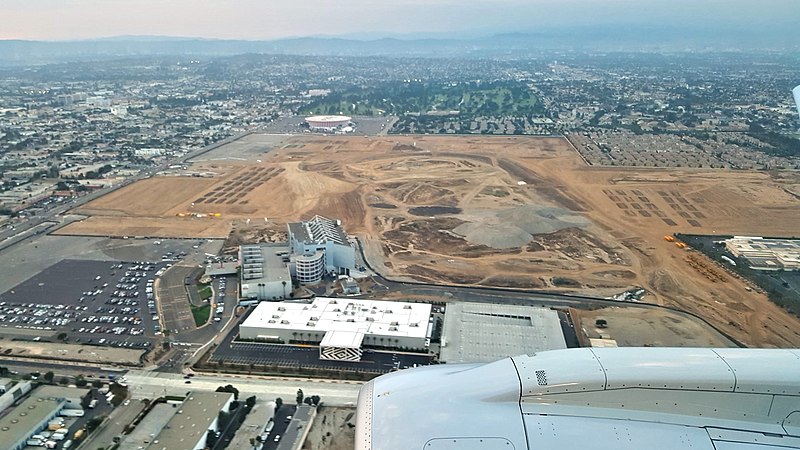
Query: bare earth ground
[638, 327]
[333, 429]
[70, 352]
[593, 230]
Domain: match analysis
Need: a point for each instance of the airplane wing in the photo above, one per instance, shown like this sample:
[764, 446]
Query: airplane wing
[599, 399]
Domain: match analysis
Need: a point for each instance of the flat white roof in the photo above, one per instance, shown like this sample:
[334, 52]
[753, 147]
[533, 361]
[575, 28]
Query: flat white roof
[371, 317]
[342, 339]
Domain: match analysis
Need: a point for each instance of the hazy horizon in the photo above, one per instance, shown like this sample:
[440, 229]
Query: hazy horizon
[54, 20]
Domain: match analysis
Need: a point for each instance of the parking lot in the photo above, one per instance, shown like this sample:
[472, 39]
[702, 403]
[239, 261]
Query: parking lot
[293, 356]
[96, 302]
[282, 418]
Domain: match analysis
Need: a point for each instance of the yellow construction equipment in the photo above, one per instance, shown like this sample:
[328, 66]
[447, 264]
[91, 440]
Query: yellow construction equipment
[669, 238]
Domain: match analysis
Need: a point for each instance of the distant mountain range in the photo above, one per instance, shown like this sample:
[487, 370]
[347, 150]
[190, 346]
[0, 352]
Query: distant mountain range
[601, 38]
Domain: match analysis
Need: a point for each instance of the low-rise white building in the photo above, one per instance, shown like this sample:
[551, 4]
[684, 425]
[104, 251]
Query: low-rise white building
[766, 254]
[340, 326]
[265, 272]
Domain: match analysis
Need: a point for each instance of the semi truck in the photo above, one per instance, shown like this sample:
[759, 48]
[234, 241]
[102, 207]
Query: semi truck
[71, 413]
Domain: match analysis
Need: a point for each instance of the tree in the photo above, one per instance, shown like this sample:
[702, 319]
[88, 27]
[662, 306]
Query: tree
[250, 402]
[49, 377]
[299, 396]
[64, 381]
[315, 400]
[278, 404]
[231, 389]
[94, 422]
[97, 384]
[80, 381]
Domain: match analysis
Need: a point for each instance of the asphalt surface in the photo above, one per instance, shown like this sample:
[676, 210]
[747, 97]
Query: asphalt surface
[147, 384]
[83, 299]
[281, 423]
[117, 420]
[173, 302]
[568, 328]
[292, 356]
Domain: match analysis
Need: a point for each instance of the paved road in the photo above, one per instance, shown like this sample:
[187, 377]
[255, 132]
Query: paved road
[117, 420]
[172, 300]
[144, 384]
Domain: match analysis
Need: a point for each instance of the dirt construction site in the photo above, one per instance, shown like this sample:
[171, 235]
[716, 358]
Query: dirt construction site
[523, 212]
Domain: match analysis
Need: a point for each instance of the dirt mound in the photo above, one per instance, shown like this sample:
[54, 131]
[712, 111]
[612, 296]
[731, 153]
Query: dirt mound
[428, 211]
[515, 227]
[500, 236]
[541, 220]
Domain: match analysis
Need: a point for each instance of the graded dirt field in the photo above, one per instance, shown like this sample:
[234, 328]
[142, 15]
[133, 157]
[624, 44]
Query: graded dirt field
[639, 327]
[512, 211]
[70, 353]
[333, 429]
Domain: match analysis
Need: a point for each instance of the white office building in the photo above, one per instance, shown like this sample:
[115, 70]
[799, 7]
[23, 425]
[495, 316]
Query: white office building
[340, 326]
[319, 246]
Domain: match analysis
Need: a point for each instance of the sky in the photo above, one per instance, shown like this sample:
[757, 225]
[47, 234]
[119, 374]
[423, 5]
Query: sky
[273, 19]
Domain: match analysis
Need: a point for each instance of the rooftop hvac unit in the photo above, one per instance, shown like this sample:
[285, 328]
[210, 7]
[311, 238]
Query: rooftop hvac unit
[351, 320]
[275, 316]
[415, 324]
[392, 328]
[394, 324]
[285, 322]
[270, 321]
[407, 307]
[370, 319]
[314, 318]
[281, 308]
[310, 324]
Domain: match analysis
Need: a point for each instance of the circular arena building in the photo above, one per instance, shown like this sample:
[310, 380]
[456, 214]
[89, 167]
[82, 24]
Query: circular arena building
[327, 122]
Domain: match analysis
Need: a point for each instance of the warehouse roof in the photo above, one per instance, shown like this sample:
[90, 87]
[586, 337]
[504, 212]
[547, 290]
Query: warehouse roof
[20, 422]
[192, 420]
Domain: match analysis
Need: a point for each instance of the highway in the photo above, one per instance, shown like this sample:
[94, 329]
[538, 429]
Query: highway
[146, 384]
